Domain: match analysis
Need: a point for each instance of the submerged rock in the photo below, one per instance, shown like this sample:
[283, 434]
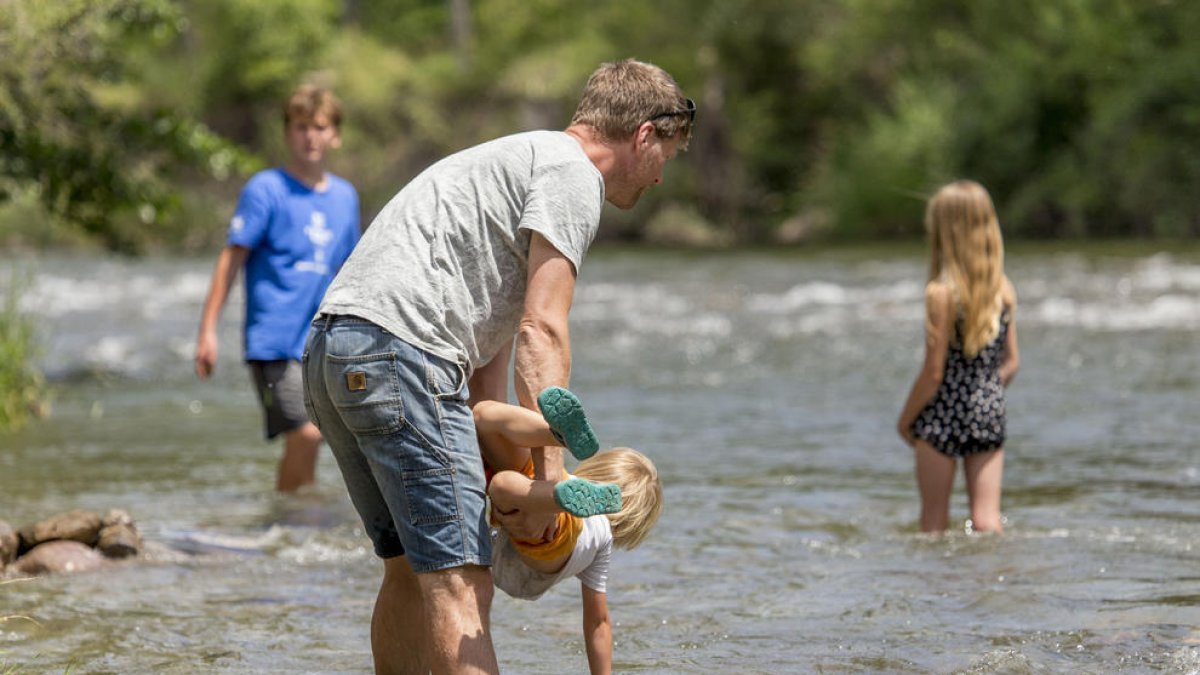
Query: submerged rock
[59, 557]
[9, 543]
[76, 541]
[79, 525]
[119, 537]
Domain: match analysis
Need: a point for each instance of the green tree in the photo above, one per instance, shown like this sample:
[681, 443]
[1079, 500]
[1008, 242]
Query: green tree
[99, 150]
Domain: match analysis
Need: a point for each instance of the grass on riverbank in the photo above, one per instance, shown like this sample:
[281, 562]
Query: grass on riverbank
[22, 387]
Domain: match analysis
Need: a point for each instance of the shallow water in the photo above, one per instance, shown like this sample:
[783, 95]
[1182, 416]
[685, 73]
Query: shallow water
[765, 386]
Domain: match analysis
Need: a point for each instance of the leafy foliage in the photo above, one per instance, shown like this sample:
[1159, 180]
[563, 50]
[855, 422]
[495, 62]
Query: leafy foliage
[101, 150]
[130, 119]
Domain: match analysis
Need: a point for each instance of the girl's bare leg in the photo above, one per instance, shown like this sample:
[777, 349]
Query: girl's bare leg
[984, 472]
[935, 480]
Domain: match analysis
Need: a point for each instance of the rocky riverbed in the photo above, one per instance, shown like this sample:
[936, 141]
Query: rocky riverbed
[75, 541]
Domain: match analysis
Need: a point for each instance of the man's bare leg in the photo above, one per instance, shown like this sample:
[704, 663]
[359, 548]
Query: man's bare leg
[457, 604]
[398, 638]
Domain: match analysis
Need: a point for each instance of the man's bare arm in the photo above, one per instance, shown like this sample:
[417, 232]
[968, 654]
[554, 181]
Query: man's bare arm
[543, 345]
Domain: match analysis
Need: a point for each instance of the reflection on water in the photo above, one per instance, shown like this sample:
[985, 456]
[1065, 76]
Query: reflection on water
[765, 386]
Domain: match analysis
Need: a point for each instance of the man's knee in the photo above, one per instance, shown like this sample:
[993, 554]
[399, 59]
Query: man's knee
[461, 586]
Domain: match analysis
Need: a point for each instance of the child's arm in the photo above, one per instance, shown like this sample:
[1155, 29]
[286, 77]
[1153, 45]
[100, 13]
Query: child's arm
[939, 306]
[1012, 359]
[229, 262]
[597, 631]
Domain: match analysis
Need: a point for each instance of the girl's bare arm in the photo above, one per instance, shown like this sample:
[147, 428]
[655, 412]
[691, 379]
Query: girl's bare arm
[1012, 357]
[939, 311]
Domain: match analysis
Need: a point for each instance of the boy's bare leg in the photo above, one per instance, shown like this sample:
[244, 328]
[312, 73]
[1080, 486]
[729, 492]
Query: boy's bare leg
[984, 472]
[298, 466]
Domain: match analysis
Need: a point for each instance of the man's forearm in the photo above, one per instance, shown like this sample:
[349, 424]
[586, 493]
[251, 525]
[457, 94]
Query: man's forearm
[543, 360]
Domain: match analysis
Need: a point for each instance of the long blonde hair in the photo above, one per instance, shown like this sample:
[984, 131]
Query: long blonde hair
[641, 491]
[967, 254]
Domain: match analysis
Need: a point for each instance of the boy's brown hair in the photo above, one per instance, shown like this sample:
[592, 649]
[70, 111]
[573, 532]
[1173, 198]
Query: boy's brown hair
[641, 491]
[308, 101]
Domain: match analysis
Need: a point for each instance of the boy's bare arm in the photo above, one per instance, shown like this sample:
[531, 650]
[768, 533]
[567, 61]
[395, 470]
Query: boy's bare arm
[597, 631]
[229, 262]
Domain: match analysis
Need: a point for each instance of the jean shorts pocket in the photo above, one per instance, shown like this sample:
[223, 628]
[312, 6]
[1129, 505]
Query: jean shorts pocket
[366, 392]
[446, 380]
[432, 496]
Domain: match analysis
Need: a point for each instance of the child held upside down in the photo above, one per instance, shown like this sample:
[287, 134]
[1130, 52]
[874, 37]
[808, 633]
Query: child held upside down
[613, 499]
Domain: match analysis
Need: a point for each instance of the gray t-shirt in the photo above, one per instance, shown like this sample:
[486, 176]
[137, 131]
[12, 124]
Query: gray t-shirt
[444, 264]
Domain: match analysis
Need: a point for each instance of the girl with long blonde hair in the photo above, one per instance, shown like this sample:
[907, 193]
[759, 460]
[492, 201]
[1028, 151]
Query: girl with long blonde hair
[956, 406]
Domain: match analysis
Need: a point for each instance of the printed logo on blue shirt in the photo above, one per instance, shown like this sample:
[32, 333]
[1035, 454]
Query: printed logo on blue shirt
[237, 224]
[320, 236]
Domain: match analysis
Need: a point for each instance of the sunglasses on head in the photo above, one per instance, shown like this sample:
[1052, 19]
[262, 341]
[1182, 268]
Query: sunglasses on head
[689, 110]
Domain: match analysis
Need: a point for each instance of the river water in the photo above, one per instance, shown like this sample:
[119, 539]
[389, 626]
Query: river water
[764, 385]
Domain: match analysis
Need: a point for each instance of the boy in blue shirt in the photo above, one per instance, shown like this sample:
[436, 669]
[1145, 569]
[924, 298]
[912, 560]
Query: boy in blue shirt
[294, 227]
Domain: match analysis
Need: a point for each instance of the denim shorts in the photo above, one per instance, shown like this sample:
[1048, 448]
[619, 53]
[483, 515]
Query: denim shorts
[399, 425]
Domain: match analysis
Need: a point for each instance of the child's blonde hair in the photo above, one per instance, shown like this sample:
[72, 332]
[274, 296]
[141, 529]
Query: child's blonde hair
[967, 254]
[641, 491]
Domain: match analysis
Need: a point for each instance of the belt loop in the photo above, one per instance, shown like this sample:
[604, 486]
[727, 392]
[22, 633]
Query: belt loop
[462, 373]
[328, 320]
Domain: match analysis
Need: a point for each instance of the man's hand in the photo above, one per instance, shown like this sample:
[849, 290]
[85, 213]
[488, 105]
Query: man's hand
[527, 526]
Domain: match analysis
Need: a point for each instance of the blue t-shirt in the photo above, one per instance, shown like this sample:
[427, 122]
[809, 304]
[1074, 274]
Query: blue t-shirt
[298, 239]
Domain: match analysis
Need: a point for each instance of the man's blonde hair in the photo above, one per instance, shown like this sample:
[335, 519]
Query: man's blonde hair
[621, 95]
[641, 491]
[308, 101]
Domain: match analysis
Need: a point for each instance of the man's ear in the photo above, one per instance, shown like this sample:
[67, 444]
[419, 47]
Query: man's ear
[336, 142]
[645, 132]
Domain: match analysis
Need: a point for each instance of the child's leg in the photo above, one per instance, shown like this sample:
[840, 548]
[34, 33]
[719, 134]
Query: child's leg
[935, 480]
[984, 472]
[568, 423]
[506, 432]
[513, 491]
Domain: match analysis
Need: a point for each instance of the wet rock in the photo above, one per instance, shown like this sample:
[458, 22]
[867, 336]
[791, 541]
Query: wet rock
[8, 544]
[116, 517]
[79, 525]
[119, 540]
[59, 557]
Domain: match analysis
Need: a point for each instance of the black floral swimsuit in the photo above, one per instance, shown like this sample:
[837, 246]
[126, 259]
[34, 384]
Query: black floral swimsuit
[967, 415]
